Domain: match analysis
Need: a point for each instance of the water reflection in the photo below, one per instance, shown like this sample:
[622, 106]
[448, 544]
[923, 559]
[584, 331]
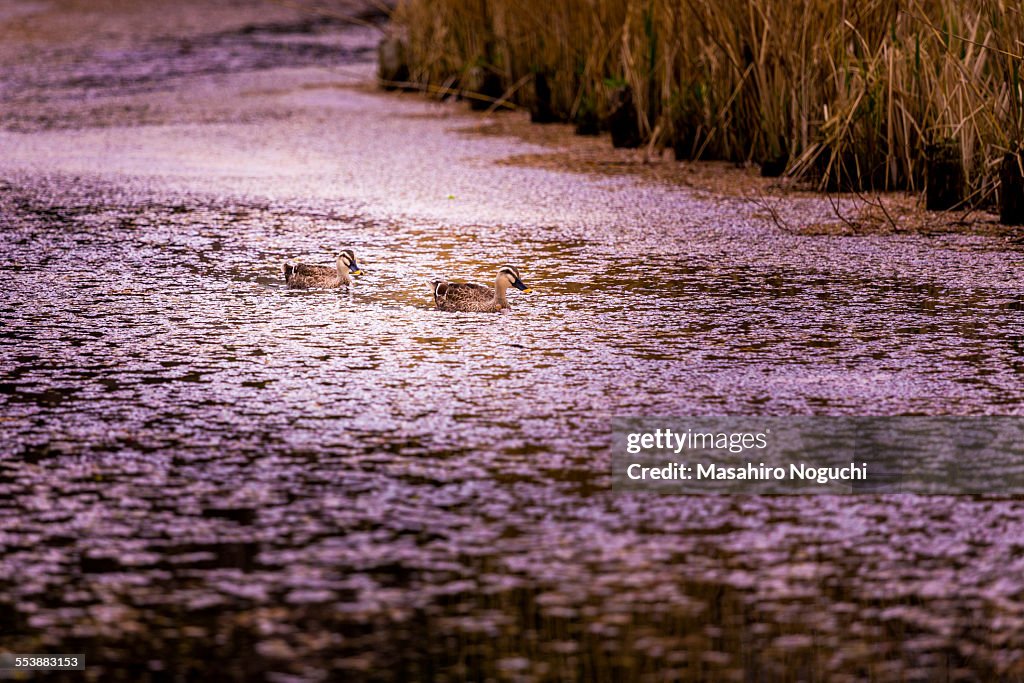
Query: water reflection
[185, 436]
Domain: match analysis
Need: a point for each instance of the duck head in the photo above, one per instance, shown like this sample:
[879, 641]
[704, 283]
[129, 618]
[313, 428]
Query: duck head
[509, 276]
[347, 261]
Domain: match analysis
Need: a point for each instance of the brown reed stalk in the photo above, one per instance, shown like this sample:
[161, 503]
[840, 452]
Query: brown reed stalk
[850, 92]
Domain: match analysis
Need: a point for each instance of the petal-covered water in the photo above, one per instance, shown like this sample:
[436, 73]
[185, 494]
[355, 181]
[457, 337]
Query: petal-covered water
[203, 471]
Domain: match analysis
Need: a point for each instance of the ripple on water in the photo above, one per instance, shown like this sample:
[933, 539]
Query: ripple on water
[318, 478]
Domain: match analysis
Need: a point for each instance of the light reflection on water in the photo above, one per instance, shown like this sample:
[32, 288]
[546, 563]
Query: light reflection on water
[180, 429]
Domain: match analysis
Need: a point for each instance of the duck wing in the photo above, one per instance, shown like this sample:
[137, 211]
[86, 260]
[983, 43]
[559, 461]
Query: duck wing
[459, 291]
[303, 275]
[307, 270]
[460, 295]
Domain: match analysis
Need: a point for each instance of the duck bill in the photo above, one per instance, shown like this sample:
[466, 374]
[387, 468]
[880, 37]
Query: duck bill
[521, 286]
[354, 269]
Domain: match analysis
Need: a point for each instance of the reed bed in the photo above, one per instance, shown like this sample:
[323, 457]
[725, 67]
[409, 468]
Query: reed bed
[849, 94]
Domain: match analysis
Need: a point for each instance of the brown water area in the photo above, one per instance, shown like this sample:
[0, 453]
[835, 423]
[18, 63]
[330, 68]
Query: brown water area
[204, 474]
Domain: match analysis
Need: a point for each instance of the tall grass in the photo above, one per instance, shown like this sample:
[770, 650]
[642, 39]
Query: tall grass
[850, 91]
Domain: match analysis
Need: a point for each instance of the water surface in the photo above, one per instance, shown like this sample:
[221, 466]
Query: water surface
[205, 471]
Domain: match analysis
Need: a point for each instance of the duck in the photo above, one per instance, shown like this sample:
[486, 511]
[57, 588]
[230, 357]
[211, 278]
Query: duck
[470, 298]
[304, 276]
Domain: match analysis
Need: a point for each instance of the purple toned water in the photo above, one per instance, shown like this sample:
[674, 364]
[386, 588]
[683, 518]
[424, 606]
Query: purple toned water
[204, 471]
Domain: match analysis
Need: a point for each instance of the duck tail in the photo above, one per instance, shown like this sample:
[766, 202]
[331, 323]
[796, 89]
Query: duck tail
[440, 289]
[288, 270]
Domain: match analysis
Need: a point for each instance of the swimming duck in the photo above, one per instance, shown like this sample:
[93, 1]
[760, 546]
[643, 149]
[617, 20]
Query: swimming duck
[303, 276]
[455, 296]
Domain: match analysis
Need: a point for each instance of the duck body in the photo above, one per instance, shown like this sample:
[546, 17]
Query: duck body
[466, 297]
[305, 276]
[471, 298]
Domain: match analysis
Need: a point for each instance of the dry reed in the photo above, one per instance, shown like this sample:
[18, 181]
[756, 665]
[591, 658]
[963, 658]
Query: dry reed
[848, 93]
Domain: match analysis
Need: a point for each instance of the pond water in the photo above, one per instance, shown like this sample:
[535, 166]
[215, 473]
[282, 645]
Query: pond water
[205, 471]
